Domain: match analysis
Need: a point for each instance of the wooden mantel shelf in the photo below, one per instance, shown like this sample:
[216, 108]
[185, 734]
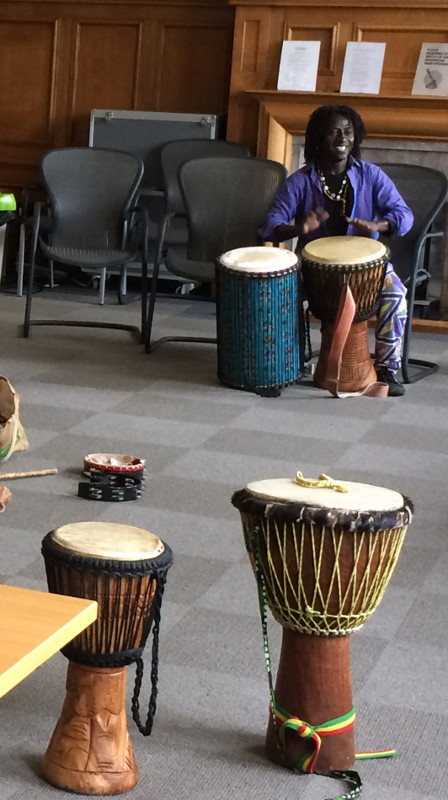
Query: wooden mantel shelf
[385, 116]
[405, 4]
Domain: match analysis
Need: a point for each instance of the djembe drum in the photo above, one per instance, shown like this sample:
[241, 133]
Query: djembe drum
[257, 315]
[322, 562]
[124, 569]
[329, 266]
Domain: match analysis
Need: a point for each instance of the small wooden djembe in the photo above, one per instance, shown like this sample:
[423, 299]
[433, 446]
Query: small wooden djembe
[124, 569]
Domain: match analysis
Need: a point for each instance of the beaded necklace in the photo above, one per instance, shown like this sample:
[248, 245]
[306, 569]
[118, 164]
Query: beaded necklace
[338, 197]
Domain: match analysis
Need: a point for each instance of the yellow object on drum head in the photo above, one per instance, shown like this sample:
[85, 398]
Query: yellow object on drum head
[344, 250]
[108, 540]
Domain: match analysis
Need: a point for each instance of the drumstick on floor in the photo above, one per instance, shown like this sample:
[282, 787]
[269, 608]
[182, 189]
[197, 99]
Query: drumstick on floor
[8, 476]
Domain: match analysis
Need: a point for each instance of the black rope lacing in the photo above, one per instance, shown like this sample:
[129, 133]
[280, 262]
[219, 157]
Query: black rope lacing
[97, 646]
[146, 728]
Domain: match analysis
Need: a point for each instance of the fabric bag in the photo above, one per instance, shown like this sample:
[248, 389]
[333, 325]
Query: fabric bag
[12, 434]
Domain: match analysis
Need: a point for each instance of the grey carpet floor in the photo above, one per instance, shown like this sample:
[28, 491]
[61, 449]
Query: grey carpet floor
[86, 390]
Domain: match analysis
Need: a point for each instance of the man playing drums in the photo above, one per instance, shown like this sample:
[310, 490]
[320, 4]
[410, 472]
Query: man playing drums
[338, 194]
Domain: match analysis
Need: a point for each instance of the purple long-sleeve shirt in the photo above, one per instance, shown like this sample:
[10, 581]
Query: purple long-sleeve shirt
[375, 197]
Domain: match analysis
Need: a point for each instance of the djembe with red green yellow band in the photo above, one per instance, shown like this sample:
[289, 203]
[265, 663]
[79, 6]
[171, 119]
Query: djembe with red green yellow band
[322, 561]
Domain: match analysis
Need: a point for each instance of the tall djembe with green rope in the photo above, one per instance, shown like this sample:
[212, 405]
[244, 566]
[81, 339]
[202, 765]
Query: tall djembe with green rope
[323, 553]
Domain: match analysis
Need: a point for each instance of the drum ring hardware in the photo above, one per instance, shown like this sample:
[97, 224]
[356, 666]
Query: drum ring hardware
[111, 486]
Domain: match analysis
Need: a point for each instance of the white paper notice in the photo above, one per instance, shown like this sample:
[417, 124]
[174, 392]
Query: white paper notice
[431, 76]
[363, 67]
[298, 66]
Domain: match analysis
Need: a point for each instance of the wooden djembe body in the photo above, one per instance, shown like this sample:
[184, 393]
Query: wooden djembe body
[328, 265]
[124, 569]
[322, 562]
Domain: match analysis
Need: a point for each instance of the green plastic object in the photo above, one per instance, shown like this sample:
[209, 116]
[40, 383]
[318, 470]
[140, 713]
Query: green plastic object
[7, 202]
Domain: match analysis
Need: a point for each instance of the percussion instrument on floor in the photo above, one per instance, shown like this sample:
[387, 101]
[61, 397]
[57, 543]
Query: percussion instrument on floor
[124, 569]
[114, 477]
[329, 265]
[322, 560]
[114, 463]
[257, 310]
[12, 434]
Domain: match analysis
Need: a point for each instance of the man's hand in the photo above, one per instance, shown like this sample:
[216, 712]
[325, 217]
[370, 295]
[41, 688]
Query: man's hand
[313, 220]
[369, 227]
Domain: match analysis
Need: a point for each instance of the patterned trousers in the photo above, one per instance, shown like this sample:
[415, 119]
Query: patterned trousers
[391, 320]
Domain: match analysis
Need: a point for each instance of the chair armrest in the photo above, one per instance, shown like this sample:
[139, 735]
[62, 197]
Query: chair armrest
[37, 214]
[26, 203]
[434, 234]
[136, 214]
[136, 227]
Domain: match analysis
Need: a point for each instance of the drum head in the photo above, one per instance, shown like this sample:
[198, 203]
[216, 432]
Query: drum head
[344, 250]
[359, 497]
[108, 540]
[259, 260]
[113, 462]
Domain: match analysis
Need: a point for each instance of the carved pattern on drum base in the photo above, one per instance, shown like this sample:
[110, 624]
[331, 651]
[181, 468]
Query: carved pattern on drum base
[357, 370]
[90, 751]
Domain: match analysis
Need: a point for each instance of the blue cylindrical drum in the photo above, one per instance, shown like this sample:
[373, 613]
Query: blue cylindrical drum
[257, 310]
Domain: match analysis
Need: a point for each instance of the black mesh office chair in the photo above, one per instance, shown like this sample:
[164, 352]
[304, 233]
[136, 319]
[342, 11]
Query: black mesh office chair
[425, 191]
[172, 230]
[226, 200]
[94, 224]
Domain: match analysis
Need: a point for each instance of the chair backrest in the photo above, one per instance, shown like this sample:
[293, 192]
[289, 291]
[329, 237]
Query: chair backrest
[89, 191]
[226, 200]
[174, 154]
[424, 190]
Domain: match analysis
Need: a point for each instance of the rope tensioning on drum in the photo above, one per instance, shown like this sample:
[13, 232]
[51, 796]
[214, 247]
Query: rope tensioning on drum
[365, 594]
[102, 651]
[284, 721]
[357, 600]
[154, 624]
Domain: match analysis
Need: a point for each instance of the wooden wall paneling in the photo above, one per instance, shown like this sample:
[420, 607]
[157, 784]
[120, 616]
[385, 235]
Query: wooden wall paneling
[33, 59]
[328, 33]
[60, 59]
[251, 42]
[329, 36]
[403, 44]
[106, 69]
[27, 59]
[192, 61]
[404, 26]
